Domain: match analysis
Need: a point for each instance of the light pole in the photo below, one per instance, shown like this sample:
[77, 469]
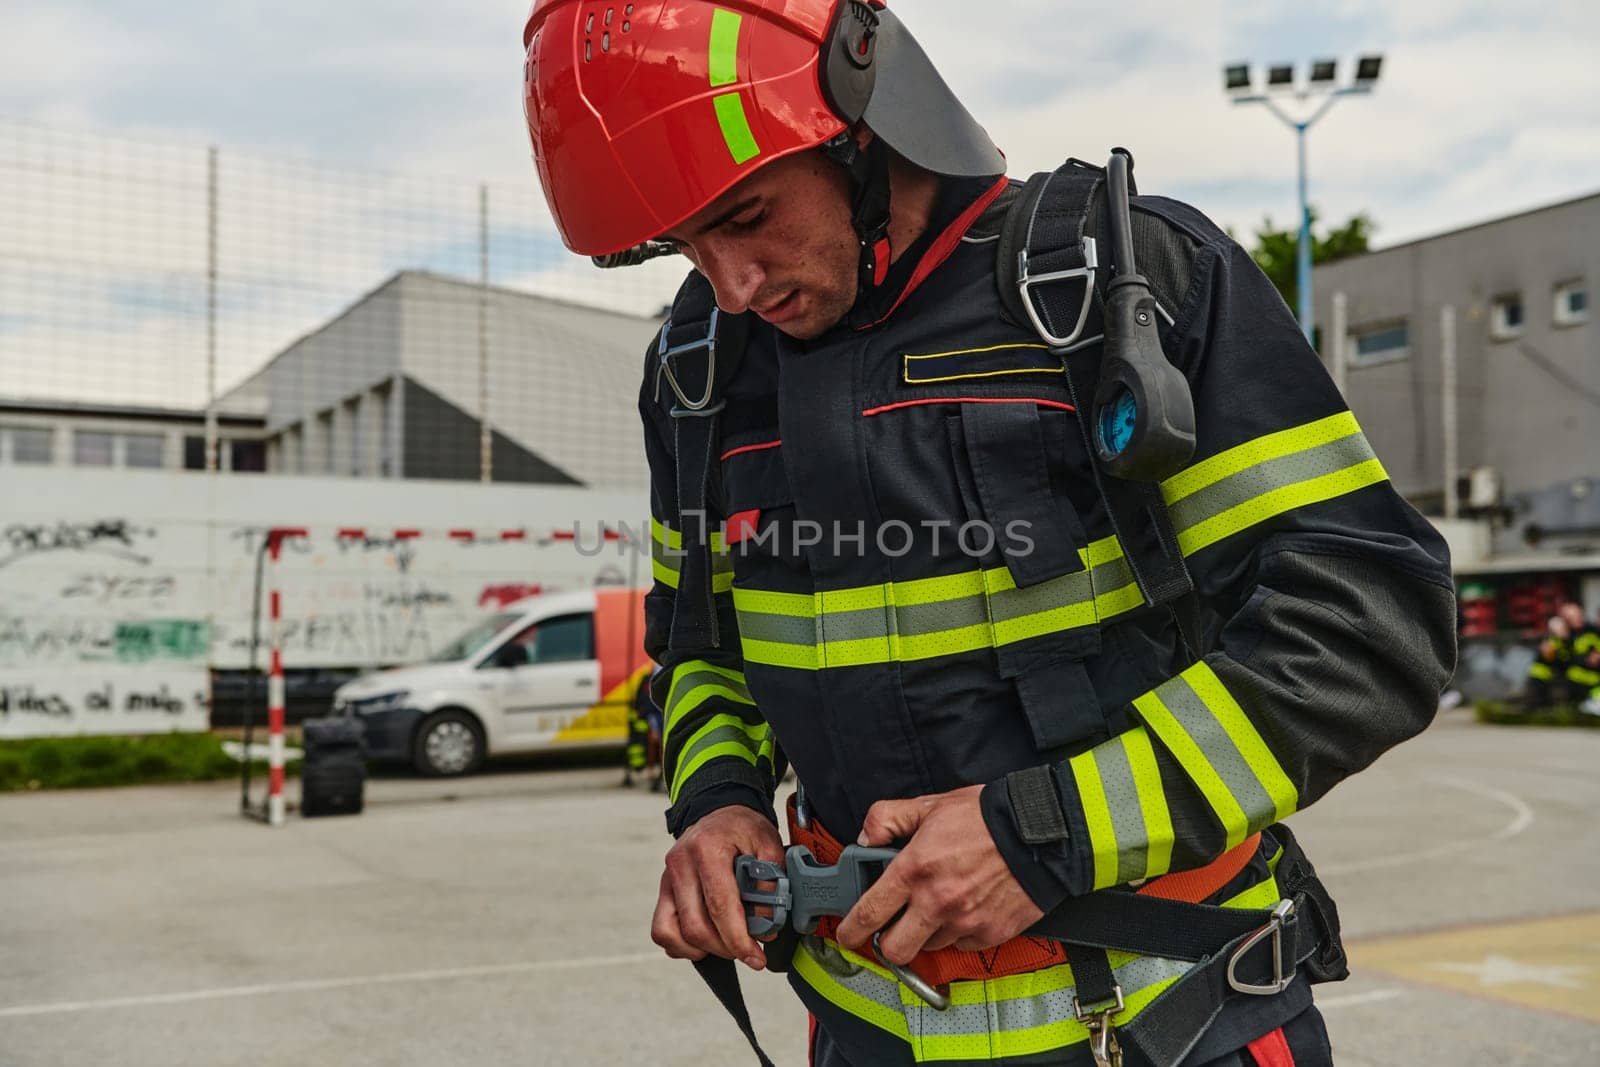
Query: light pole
[1322, 81]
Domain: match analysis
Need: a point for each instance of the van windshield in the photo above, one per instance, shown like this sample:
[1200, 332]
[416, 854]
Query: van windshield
[473, 641]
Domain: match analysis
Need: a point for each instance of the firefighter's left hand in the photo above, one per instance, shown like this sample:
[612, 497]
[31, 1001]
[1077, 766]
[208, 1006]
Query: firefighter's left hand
[950, 878]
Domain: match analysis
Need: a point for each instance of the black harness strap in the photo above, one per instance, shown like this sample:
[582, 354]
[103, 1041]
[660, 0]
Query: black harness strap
[699, 351]
[723, 978]
[1049, 271]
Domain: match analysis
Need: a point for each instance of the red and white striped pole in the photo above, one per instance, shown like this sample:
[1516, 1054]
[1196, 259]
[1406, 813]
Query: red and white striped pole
[275, 694]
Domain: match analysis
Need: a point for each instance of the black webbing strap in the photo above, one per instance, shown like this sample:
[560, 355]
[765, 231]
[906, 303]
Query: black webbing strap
[694, 609]
[1044, 235]
[723, 978]
[1170, 1026]
[1092, 978]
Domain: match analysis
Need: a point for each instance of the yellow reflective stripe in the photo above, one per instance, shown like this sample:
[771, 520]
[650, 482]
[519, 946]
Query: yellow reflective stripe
[1066, 617]
[1097, 814]
[1118, 601]
[1287, 498]
[1260, 450]
[788, 605]
[697, 696]
[667, 537]
[664, 574]
[1246, 738]
[727, 748]
[1113, 779]
[1262, 895]
[847, 999]
[760, 745]
[1009, 1043]
[1160, 719]
[1152, 801]
[777, 654]
[696, 681]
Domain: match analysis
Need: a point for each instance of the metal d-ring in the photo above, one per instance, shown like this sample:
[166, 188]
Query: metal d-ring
[911, 979]
[666, 354]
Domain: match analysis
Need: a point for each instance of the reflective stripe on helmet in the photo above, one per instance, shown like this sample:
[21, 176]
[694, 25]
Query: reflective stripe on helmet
[725, 71]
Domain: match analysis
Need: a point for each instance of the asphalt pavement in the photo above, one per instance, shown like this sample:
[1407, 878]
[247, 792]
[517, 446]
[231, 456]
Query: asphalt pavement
[504, 920]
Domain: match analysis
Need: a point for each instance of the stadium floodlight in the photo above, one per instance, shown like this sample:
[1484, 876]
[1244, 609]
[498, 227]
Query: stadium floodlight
[1322, 81]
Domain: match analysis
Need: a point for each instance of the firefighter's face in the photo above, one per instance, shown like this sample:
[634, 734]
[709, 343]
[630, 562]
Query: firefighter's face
[780, 243]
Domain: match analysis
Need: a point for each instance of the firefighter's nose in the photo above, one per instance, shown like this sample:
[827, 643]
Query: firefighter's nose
[735, 281]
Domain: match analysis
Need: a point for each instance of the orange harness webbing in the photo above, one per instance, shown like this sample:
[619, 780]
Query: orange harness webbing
[1022, 953]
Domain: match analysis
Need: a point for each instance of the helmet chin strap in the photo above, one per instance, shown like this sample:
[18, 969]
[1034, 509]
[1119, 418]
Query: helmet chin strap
[869, 180]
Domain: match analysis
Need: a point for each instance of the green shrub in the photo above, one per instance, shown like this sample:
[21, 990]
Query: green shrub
[87, 762]
[1501, 714]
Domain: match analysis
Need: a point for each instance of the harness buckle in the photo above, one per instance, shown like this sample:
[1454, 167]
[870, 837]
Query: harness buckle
[1103, 1043]
[1027, 282]
[667, 353]
[806, 891]
[1282, 912]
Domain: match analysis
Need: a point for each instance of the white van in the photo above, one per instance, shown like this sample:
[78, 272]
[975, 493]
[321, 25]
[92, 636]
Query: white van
[550, 671]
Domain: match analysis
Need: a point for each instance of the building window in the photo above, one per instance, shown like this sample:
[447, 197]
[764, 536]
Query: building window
[1505, 317]
[248, 456]
[1379, 344]
[146, 451]
[353, 414]
[93, 448]
[1572, 304]
[29, 444]
[326, 444]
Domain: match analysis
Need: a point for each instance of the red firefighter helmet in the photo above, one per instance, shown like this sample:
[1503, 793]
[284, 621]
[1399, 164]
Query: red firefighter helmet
[643, 113]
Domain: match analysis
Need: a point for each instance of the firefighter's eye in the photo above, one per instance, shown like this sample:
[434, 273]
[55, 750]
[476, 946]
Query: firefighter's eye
[749, 221]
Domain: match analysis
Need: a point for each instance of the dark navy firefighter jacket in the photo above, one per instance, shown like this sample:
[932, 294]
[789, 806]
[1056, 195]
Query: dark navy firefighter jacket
[918, 588]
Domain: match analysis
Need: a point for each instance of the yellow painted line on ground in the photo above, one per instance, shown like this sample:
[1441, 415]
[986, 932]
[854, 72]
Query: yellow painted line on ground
[1544, 964]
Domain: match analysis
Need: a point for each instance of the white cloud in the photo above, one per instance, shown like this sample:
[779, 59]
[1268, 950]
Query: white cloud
[1484, 109]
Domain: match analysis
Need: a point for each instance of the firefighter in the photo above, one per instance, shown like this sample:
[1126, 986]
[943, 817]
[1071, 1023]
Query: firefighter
[1547, 675]
[636, 756]
[887, 554]
[1583, 668]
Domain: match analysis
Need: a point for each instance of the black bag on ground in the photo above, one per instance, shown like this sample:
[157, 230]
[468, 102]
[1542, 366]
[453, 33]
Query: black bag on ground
[334, 774]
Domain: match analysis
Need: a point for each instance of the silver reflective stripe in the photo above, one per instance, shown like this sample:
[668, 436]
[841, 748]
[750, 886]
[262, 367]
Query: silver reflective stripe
[1219, 750]
[983, 1022]
[1262, 478]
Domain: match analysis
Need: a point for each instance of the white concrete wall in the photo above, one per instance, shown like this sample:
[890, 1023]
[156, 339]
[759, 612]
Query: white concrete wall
[140, 580]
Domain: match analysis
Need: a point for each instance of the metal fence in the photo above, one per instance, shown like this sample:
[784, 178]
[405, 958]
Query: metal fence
[304, 319]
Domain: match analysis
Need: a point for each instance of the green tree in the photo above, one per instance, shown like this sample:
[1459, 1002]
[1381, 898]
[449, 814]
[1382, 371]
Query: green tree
[1275, 250]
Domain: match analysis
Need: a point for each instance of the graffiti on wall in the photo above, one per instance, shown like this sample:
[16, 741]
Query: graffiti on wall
[114, 701]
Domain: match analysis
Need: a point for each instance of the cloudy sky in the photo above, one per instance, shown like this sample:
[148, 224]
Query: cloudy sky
[1484, 109]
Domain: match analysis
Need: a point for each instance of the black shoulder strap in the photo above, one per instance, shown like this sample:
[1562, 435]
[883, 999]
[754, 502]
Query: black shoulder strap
[1050, 277]
[698, 351]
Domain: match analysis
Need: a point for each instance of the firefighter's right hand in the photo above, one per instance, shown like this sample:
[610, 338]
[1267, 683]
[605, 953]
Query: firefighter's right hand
[698, 911]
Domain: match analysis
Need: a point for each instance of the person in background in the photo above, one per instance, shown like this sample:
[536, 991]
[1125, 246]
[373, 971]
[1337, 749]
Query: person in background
[1547, 677]
[1583, 666]
[637, 753]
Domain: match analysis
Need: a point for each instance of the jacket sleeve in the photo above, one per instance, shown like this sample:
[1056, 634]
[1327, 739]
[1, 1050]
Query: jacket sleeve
[1328, 604]
[717, 750]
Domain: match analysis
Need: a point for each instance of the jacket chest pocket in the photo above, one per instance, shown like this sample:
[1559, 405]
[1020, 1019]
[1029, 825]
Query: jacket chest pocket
[1012, 462]
[758, 506]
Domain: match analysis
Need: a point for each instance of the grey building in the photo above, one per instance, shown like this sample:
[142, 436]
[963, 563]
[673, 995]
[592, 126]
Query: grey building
[1527, 353]
[394, 387]
[129, 437]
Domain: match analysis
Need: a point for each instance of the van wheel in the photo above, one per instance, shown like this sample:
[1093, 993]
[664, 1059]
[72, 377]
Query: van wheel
[448, 744]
